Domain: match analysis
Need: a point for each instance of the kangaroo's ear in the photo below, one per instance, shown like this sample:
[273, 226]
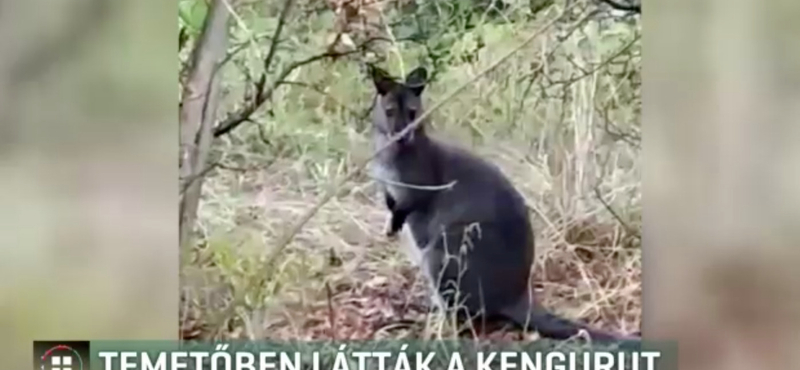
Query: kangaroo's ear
[382, 80]
[417, 79]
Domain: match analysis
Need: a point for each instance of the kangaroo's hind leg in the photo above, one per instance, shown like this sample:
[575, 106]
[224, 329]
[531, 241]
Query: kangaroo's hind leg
[428, 259]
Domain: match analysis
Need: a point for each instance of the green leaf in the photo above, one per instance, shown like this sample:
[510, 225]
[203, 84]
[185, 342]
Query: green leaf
[192, 13]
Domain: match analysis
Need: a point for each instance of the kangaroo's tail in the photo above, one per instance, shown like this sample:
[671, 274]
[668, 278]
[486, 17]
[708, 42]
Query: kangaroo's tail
[551, 326]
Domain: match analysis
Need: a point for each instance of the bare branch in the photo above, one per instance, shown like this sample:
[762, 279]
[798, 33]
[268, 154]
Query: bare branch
[264, 94]
[273, 47]
[194, 177]
[631, 231]
[635, 8]
[537, 72]
[616, 133]
[587, 73]
[239, 117]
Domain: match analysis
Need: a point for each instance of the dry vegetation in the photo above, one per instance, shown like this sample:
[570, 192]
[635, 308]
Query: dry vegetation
[561, 117]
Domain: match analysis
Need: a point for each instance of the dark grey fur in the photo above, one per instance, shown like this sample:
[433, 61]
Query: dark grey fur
[487, 272]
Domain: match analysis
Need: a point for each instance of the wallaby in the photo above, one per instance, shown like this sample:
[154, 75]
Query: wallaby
[489, 276]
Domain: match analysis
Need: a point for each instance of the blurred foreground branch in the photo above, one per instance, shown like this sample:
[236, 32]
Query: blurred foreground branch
[87, 16]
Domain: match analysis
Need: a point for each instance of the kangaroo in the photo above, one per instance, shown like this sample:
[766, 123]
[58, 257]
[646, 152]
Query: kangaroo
[486, 275]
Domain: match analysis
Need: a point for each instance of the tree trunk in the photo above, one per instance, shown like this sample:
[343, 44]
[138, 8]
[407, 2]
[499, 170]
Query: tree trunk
[198, 114]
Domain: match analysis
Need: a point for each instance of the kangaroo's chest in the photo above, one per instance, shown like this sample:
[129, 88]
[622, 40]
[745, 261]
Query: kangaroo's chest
[388, 178]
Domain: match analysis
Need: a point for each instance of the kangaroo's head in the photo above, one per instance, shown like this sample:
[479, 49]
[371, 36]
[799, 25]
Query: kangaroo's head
[397, 103]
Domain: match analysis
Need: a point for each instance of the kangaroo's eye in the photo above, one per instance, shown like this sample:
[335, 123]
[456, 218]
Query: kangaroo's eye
[391, 113]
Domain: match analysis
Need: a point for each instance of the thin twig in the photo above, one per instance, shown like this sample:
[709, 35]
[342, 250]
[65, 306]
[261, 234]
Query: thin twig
[215, 165]
[236, 119]
[600, 65]
[537, 72]
[229, 56]
[322, 92]
[617, 133]
[240, 22]
[261, 96]
[194, 177]
[273, 46]
[636, 8]
[625, 225]
[416, 187]
[331, 312]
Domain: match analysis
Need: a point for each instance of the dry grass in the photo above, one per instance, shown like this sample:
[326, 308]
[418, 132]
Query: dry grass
[340, 278]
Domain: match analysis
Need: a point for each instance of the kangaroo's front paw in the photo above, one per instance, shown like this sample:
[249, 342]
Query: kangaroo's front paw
[388, 231]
